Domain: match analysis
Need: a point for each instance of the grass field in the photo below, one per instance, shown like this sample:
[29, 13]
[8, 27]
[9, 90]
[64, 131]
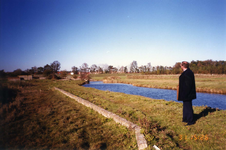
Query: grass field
[160, 120]
[204, 83]
[39, 117]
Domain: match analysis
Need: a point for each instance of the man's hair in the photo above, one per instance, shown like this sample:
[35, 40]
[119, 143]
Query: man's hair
[185, 64]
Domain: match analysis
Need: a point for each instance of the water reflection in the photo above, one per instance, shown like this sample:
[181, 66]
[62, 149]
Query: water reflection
[206, 99]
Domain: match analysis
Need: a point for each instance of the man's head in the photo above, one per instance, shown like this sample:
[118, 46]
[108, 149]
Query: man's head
[184, 65]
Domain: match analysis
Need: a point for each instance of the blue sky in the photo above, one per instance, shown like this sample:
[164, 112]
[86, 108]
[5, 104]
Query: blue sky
[113, 32]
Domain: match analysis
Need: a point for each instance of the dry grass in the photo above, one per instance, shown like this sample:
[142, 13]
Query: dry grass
[38, 117]
[204, 82]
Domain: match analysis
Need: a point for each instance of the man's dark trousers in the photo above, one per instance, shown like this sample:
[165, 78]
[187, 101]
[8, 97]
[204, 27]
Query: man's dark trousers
[188, 112]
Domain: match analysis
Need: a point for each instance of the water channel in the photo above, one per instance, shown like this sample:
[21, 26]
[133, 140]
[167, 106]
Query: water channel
[203, 99]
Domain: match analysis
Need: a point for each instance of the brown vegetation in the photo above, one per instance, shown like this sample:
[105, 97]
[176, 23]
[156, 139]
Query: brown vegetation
[34, 116]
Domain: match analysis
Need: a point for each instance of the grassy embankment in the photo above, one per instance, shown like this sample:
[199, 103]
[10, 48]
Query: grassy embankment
[204, 83]
[159, 119]
[33, 116]
[39, 117]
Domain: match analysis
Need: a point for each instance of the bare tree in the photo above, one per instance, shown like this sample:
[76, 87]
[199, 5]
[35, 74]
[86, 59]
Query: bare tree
[104, 67]
[125, 69]
[34, 69]
[93, 68]
[84, 67]
[74, 70]
[115, 70]
[133, 66]
[40, 70]
[55, 66]
[141, 69]
[99, 69]
[149, 67]
[110, 69]
[121, 70]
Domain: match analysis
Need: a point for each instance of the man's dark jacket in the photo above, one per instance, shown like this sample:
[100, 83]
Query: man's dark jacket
[187, 90]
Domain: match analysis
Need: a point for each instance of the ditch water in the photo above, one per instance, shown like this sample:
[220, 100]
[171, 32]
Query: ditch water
[203, 99]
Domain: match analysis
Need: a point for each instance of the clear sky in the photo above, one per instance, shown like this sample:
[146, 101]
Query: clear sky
[113, 32]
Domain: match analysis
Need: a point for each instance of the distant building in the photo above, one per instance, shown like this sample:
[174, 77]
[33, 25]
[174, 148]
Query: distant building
[25, 77]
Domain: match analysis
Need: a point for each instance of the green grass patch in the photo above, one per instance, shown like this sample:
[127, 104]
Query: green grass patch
[160, 119]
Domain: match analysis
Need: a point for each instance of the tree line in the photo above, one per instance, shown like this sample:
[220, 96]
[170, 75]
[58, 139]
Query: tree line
[199, 67]
[47, 70]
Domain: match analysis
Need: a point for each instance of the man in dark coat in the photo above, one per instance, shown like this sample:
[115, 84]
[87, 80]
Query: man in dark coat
[187, 92]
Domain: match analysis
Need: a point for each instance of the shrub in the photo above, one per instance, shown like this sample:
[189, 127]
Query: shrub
[75, 76]
[63, 74]
[46, 73]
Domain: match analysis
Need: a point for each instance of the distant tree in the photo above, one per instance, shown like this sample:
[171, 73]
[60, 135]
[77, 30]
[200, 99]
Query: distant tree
[27, 71]
[133, 67]
[141, 69]
[33, 70]
[168, 70]
[55, 66]
[17, 72]
[177, 68]
[93, 68]
[114, 70]
[121, 69]
[40, 70]
[125, 69]
[104, 68]
[162, 70]
[99, 69]
[47, 67]
[2, 74]
[84, 67]
[74, 70]
[110, 69]
[145, 69]
[149, 67]
[157, 70]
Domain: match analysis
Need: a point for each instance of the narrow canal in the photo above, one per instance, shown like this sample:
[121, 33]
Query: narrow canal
[203, 99]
